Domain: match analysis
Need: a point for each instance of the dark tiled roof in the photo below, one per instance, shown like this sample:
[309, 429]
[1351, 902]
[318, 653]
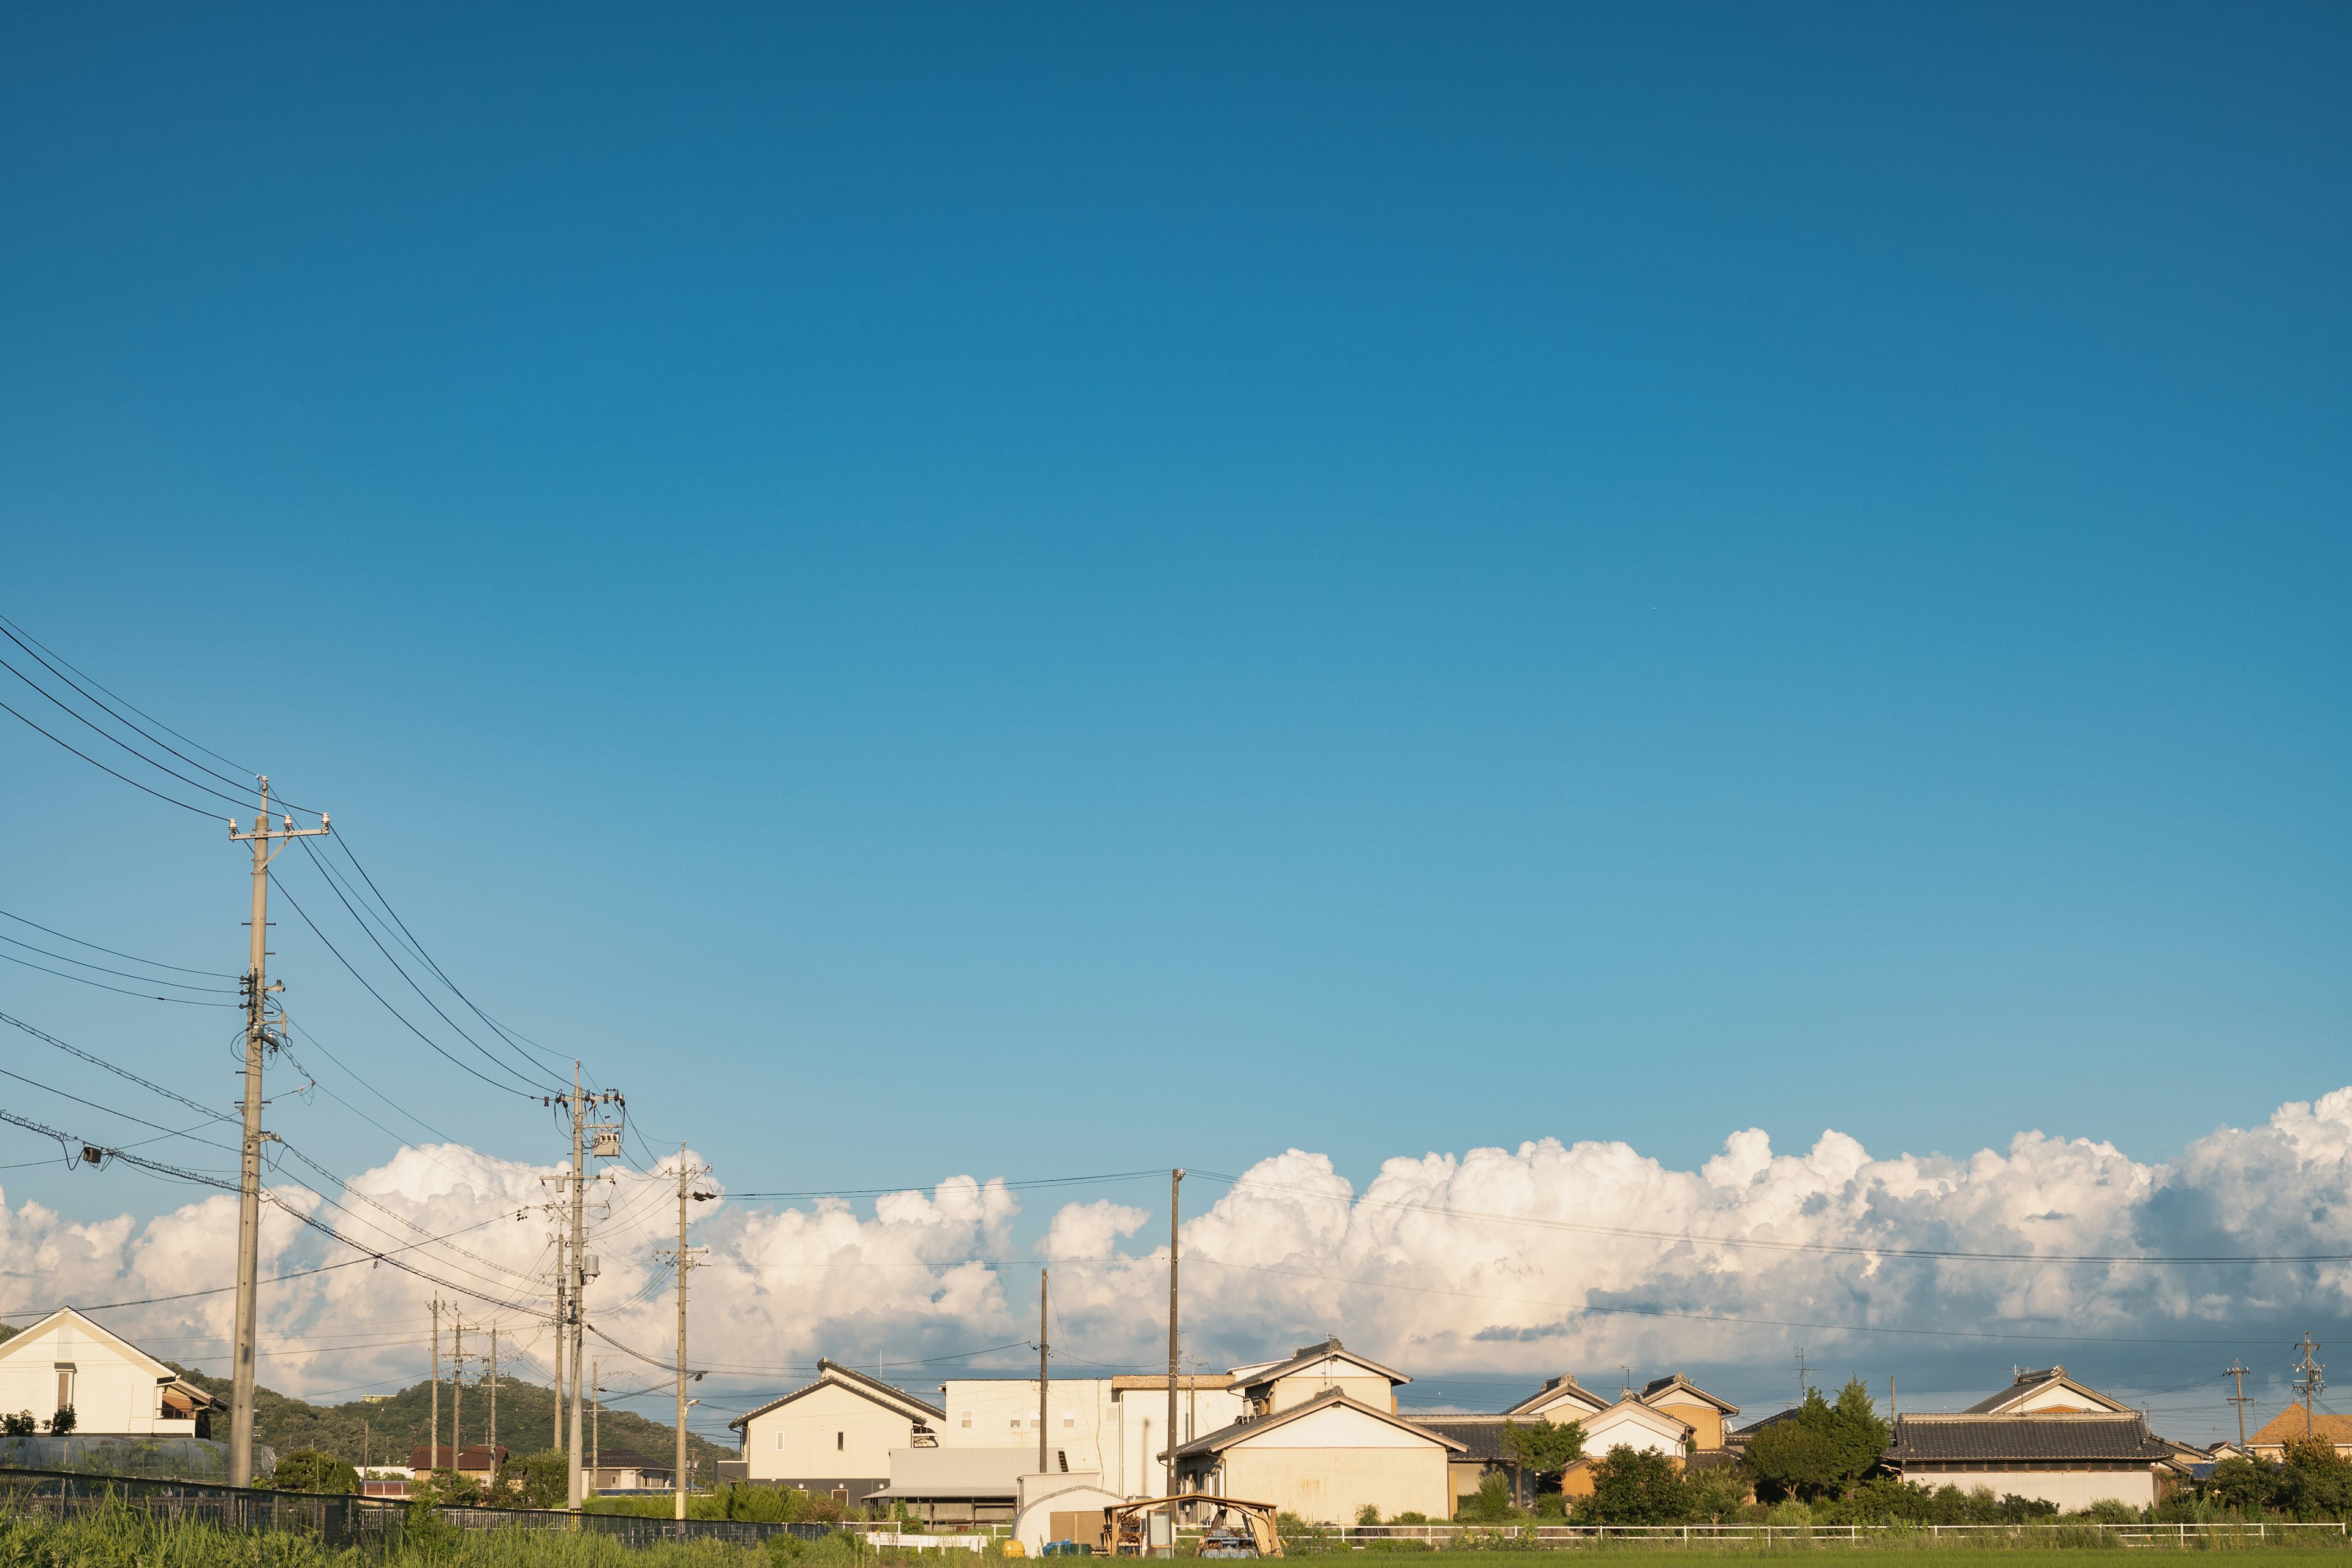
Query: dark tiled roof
[1480, 1436]
[1308, 1356]
[2015, 1439]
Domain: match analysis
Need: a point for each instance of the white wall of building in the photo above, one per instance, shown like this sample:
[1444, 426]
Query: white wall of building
[1093, 1425]
[830, 1434]
[112, 1386]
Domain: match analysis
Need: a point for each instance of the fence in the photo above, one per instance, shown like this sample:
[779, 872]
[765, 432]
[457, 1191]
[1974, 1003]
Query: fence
[341, 1520]
[1346, 1537]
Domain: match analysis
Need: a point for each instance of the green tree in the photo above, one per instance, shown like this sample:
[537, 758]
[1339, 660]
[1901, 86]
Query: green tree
[1544, 1449]
[309, 1470]
[534, 1481]
[1635, 1486]
[1822, 1451]
[2241, 1483]
[2313, 1482]
[62, 1422]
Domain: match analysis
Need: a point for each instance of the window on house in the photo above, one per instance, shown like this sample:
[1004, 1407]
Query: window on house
[780, 1440]
[967, 1417]
[65, 1387]
[840, 1441]
[1016, 1424]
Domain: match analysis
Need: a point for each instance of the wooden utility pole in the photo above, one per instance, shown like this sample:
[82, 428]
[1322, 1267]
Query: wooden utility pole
[2238, 1370]
[1175, 1186]
[258, 1037]
[1045, 1375]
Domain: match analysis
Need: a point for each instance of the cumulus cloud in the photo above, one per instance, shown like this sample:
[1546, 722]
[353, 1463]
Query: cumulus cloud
[1547, 1256]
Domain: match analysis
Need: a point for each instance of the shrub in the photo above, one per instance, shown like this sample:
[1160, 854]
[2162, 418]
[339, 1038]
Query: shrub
[310, 1470]
[21, 1424]
[1635, 1486]
[62, 1422]
[1490, 1504]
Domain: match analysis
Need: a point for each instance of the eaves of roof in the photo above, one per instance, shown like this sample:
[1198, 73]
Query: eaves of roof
[1242, 1431]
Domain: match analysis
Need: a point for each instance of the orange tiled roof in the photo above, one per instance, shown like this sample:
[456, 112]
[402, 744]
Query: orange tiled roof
[2287, 1425]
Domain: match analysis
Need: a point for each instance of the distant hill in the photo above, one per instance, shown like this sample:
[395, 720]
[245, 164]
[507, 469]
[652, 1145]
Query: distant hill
[382, 1431]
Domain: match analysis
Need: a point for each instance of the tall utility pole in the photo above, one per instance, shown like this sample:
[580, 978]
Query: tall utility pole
[257, 1038]
[1175, 1184]
[685, 1174]
[1045, 1375]
[494, 1399]
[433, 1441]
[2238, 1370]
[2311, 1381]
[458, 1390]
[596, 1418]
[578, 1267]
[1804, 1383]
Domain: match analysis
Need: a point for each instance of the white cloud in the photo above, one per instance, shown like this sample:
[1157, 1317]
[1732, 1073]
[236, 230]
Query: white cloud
[1501, 1260]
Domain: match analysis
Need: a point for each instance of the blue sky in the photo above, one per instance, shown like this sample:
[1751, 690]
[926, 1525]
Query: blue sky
[1055, 589]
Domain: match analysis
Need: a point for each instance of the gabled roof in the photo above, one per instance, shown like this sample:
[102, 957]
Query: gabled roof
[160, 1371]
[1643, 1414]
[2286, 1426]
[1243, 1431]
[2029, 1384]
[895, 1400]
[1554, 1389]
[1306, 1356]
[2025, 1439]
[1657, 1388]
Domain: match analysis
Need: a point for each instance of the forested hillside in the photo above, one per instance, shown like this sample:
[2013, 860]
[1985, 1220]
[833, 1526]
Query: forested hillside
[383, 1431]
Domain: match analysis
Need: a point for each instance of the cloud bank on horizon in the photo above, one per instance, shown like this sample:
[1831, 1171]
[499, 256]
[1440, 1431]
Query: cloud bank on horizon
[1498, 1260]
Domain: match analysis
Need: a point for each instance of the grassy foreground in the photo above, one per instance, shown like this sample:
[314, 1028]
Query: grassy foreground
[119, 1536]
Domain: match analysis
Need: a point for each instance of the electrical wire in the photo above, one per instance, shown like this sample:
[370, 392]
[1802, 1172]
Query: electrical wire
[63, 708]
[118, 989]
[19, 635]
[388, 1007]
[124, 1073]
[101, 767]
[121, 974]
[397, 969]
[115, 953]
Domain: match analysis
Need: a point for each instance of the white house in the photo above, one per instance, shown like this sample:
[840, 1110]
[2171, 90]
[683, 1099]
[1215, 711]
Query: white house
[1628, 1423]
[1114, 1426]
[835, 1434]
[113, 1387]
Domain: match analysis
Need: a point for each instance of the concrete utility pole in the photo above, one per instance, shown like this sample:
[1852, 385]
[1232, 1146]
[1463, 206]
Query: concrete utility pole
[1044, 1375]
[1175, 1186]
[579, 1267]
[457, 1389]
[1804, 1383]
[595, 1418]
[433, 1439]
[494, 1400]
[2311, 1382]
[685, 1174]
[2238, 1370]
[257, 1039]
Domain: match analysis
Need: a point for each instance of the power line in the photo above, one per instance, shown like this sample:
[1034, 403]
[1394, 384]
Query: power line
[403, 974]
[66, 708]
[101, 767]
[127, 702]
[118, 989]
[150, 963]
[121, 973]
[387, 1005]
